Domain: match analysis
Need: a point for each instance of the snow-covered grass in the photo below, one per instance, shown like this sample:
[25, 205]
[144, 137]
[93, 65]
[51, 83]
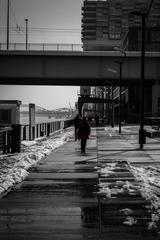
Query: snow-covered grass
[13, 167]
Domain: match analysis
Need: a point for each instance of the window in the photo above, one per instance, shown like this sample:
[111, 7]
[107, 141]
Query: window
[105, 35]
[114, 35]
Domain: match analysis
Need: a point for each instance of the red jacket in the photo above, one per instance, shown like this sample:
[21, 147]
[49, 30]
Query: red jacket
[84, 129]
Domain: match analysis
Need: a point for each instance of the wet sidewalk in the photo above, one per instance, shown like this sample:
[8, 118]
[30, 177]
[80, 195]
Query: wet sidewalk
[73, 196]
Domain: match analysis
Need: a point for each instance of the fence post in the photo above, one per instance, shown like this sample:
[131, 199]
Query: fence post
[48, 129]
[16, 138]
[24, 133]
[4, 142]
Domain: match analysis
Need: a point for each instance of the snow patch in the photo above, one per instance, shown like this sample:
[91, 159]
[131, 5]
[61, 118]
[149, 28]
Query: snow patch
[147, 184]
[130, 221]
[149, 181]
[13, 167]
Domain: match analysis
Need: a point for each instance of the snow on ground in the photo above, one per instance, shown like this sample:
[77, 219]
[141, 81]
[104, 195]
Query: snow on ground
[13, 167]
[149, 179]
[147, 183]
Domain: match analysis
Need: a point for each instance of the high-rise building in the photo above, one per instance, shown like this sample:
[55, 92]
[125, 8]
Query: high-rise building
[106, 22]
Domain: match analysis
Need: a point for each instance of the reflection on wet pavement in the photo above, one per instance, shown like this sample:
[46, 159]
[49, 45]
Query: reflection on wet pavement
[69, 196]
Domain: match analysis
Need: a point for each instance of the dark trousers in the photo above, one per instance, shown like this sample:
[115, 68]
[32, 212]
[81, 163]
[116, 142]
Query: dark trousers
[75, 133]
[83, 145]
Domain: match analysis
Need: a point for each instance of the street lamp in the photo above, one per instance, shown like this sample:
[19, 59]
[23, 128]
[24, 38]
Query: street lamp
[26, 20]
[120, 90]
[143, 16]
[141, 130]
[8, 13]
[112, 109]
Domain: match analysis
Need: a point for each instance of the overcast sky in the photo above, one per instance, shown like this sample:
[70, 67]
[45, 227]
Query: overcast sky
[49, 21]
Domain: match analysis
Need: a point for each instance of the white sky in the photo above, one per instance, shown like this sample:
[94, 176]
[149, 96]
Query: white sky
[46, 19]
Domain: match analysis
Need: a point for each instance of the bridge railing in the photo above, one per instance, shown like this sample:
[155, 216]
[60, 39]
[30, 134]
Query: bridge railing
[41, 47]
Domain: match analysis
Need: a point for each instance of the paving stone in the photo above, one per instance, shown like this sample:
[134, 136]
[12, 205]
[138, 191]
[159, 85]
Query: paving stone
[60, 198]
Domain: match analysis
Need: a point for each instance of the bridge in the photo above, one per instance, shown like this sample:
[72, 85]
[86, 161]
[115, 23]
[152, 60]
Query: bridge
[73, 68]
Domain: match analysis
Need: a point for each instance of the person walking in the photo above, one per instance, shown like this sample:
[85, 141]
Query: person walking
[83, 133]
[76, 125]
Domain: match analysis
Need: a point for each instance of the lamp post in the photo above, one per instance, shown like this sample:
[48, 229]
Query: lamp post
[8, 8]
[120, 91]
[112, 109]
[26, 20]
[141, 130]
[143, 16]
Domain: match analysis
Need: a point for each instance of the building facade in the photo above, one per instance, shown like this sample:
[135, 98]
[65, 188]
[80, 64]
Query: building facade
[108, 24]
[105, 23]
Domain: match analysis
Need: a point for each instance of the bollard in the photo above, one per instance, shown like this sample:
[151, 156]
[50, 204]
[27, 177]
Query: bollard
[16, 138]
[142, 136]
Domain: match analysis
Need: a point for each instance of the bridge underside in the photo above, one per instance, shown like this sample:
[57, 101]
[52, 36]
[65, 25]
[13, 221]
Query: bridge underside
[70, 82]
[76, 68]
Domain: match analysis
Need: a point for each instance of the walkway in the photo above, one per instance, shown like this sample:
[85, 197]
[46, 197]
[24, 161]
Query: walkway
[60, 200]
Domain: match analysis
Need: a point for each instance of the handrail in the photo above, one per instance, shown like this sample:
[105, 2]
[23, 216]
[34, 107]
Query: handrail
[43, 128]
[8, 142]
[41, 47]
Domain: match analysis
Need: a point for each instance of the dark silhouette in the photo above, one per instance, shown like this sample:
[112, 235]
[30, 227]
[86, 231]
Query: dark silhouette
[83, 133]
[97, 120]
[76, 125]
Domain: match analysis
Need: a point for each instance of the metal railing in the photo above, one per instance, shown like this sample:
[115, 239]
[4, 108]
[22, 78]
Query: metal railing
[43, 129]
[11, 136]
[41, 47]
